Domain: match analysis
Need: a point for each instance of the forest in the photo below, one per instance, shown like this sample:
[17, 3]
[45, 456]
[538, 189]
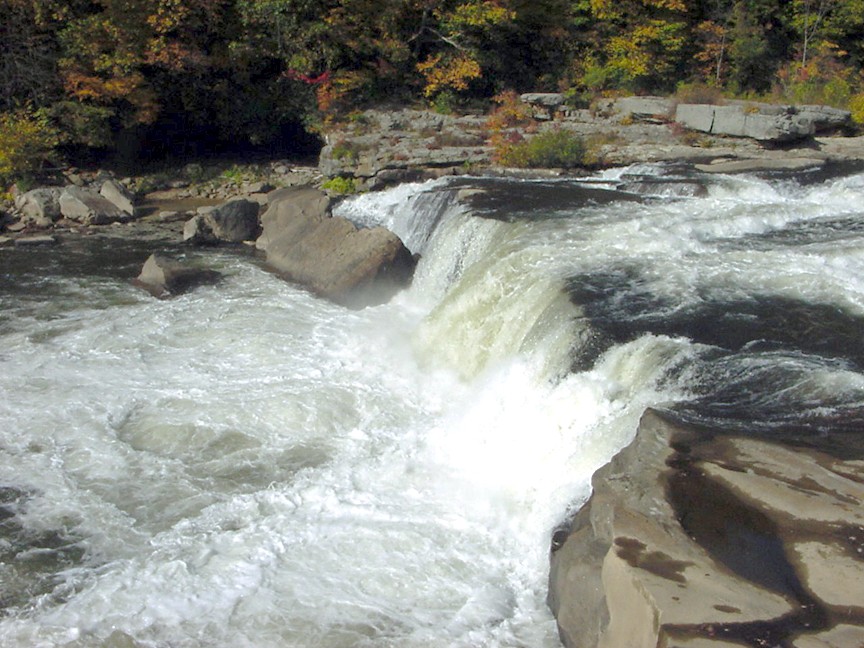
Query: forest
[133, 80]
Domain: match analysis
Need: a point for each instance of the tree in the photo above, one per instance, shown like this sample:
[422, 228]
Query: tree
[28, 54]
[644, 41]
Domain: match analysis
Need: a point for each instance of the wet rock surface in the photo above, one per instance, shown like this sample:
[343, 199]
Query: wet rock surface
[163, 276]
[330, 255]
[695, 539]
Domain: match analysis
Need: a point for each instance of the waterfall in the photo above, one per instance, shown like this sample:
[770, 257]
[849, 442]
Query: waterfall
[249, 465]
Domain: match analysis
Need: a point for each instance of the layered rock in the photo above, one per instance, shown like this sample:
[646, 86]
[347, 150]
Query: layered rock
[385, 147]
[378, 147]
[164, 276]
[762, 122]
[330, 255]
[692, 539]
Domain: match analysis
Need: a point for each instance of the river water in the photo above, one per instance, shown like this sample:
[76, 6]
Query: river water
[248, 465]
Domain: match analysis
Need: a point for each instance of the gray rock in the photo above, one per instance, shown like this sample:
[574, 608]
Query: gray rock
[826, 118]
[257, 187]
[31, 241]
[88, 207]
[118, 195]
[767, 124]
[234, 222]
[653, 109]
[42, 204]
[756, 165]
[162, 276]
[196, 230]
[330, 256]
[545, 99]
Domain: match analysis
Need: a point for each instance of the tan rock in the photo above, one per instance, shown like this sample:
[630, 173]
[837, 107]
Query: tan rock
[697, 540]
[831, 574]
[329, 255]
[841, 636]
[793, 482]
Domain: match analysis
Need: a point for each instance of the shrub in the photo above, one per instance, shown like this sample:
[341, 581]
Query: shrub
[698, 93]
[27, 140]
[856, 106]
[510, 112]
[550, 149]
[340, 185]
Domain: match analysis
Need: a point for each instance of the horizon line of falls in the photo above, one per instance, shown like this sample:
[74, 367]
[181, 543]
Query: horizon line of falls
[248, 465]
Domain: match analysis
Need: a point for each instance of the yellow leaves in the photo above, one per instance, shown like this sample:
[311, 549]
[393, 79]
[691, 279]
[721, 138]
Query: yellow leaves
[478, 14]
[856, 106]
[647, 49]
[617, 9]
[450, 73]
[169, 15]
[627, 57]
[27, 138]
[337, 88]
[510, 112]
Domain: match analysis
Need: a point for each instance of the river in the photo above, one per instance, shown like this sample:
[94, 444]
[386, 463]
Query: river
[249, 465]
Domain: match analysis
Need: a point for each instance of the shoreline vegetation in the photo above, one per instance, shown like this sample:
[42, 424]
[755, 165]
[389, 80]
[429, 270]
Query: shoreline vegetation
[118, 85]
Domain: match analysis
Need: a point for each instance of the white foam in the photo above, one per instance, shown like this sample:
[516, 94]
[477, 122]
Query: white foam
[248, 465]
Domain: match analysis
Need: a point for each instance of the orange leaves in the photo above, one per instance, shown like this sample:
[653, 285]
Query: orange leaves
[132, 88]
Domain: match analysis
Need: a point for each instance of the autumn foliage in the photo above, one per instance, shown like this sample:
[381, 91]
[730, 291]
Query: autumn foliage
[176, 76]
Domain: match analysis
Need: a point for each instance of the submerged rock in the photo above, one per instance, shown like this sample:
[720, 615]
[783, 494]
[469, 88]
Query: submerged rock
[723, 541]
[330, 255]
[163, 277]
[30, 241]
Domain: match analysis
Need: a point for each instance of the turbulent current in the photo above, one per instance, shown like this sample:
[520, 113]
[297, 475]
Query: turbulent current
[249, 465]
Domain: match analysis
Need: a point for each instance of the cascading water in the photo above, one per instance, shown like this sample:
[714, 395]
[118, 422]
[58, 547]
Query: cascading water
[247, 465]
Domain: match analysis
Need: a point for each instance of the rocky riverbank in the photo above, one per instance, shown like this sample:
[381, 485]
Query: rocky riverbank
[378, 148]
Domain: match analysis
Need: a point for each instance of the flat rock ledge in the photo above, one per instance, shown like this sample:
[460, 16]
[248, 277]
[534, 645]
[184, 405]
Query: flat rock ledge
[698, 540]
[378, 148]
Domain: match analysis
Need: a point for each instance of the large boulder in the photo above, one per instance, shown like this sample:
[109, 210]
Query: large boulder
[695, 539]
[88, 207]
[119, 196]
[330, 255]
[163, 276]
[40, 207]
[234, 222]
